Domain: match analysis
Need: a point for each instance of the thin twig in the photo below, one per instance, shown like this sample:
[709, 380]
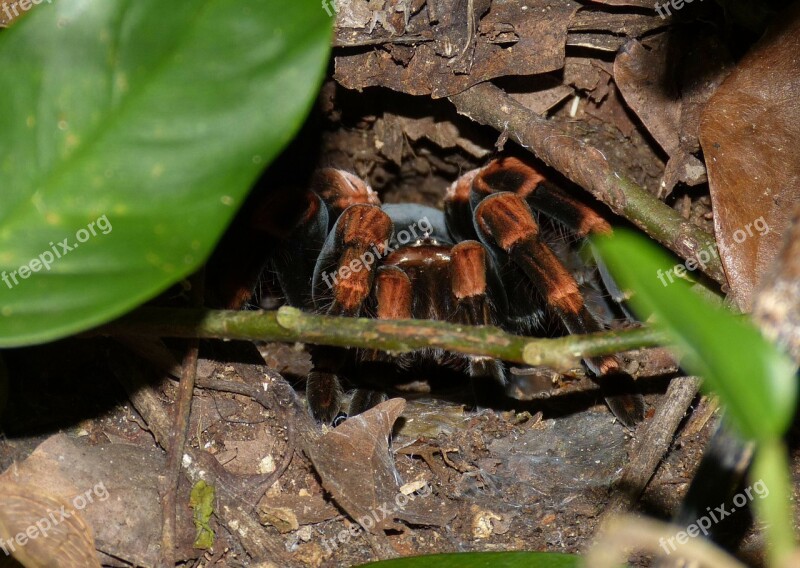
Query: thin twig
[589, 168]
[653, 445]
[261, 398]
[395, 336]
[180, 432]
[541, 383]
[175, 453]
[403, 40]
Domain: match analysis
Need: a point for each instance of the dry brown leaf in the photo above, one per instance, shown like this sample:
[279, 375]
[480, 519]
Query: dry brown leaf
[41, 530]
[750, 134]
[665, 95]
[511, 39]
[358, 21]
[617, 23]
[777, 305]
[443, 133]
[122, 482]
[355, 466]
[540, 93]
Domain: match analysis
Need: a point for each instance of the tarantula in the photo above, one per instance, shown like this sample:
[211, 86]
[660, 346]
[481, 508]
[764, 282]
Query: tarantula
[483, 261]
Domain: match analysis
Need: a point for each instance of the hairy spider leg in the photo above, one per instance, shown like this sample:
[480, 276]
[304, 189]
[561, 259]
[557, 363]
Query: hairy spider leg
[340, 189]
[470, 277]
[282, 231]
[514, 175]
[458, 208]
[347, 264]
[342, 282]
[294, 261]
[393, 299]
[393, 294]
[510, 174]
[505, 224]
[324, 390]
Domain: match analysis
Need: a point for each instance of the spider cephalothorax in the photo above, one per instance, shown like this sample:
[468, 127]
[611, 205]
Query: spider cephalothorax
[482, 261]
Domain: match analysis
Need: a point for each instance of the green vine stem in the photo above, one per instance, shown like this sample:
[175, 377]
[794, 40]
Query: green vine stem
[395, 336]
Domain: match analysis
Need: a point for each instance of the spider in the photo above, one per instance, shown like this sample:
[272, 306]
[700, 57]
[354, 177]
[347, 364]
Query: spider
[483, 261]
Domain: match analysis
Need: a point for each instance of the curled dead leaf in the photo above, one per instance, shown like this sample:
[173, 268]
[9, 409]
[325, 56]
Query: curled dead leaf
[40, 530]
[356, 467]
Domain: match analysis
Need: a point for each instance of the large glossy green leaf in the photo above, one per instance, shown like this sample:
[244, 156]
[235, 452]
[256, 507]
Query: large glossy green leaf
[154, 118]
[484, 560]
[754, 380]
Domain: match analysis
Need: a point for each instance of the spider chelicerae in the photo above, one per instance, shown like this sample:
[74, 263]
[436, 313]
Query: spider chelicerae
[482, 261]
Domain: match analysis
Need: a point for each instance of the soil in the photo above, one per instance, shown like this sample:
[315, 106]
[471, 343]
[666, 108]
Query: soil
[514, 479]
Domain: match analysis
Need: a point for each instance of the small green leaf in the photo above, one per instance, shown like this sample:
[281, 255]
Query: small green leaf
[131, 132]
[484, 560]
[201, 500]
[754, 380]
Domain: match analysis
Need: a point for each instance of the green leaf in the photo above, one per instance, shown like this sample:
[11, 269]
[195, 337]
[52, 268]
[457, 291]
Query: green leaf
[132, 131]
[201, 500]
[484, 560]
[754, 380]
